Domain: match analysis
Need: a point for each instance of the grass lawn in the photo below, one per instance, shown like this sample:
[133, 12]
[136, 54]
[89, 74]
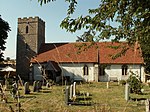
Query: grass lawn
[105, 100]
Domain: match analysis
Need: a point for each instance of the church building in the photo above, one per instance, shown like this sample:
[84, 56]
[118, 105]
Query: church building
[76, 61]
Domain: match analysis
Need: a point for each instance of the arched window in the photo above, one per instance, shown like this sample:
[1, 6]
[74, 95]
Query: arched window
[124, 69]
[27, 29]
[85, 70]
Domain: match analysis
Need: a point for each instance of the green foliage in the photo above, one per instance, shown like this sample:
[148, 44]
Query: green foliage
[122, 82]
[8, 83]
[145, 45]
[131, 18]
[135, 83]
[4, 29]
[86, 37]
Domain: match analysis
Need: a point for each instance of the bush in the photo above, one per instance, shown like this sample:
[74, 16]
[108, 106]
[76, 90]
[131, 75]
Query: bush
[135, 84]
[122, 82]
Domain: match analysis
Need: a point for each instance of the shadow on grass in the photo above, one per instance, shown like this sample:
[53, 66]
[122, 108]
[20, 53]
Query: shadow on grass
[146, 94]
[45, 91]
[138, 99]
[11, 102]
[81, 103]
[87, 98]
[33, 93]
[28, 97]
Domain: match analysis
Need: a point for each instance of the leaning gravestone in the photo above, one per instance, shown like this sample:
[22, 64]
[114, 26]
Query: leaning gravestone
[26, 88]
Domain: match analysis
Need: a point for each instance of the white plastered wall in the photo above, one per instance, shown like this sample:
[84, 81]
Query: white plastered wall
[75, 71]
[116, 71]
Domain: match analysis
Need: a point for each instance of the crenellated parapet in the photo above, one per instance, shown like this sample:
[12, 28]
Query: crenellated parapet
[30, 19]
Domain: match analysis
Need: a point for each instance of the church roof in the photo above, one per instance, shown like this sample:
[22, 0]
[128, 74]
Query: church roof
[86, 52]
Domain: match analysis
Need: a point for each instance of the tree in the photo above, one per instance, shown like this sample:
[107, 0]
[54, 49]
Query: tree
[4, 29]
[131, 16]
[86, 37]
[145, 46]
[135, 84]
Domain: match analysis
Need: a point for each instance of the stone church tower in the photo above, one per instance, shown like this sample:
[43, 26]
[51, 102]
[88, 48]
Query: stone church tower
[30, 36]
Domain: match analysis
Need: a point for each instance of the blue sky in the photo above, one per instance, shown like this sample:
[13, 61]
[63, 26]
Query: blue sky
[52, 13]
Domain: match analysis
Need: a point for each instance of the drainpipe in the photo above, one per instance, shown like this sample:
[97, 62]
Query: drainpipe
[140, 72]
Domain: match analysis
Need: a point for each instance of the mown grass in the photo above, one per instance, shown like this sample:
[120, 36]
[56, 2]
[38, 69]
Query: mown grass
[105, 100]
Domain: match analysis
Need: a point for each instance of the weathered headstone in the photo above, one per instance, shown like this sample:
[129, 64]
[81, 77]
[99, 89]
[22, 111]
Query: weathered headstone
[74, 89]
[67, 95]
[127, 92]
[34, 86]
[40, 84]
[87, 94]
[26, 88]
[14, 90]
[71, 91]
[147, 104]
[37, 86]
[47, 85]
[107, 85]
[1, 88]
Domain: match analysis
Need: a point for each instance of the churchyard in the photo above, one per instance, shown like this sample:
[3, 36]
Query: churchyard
[88, 97]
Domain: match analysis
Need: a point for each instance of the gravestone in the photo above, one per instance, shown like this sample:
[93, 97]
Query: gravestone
[87, 94]
[1, 88]
[67, 95]
[47, 85]
[39, 84]
[74, 89]
[14, 90]
[71, 91]
[147, 104]
[107, 85]
[26, 88]
[34, 86]
[127, 92]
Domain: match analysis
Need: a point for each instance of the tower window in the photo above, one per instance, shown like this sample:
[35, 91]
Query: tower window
[124, 69]
[85, 70]
[27, 29]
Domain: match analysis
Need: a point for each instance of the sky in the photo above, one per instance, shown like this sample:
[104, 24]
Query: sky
[52, 13]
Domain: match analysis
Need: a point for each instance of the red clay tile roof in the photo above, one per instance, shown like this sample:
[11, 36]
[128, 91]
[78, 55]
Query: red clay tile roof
[99, 52]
